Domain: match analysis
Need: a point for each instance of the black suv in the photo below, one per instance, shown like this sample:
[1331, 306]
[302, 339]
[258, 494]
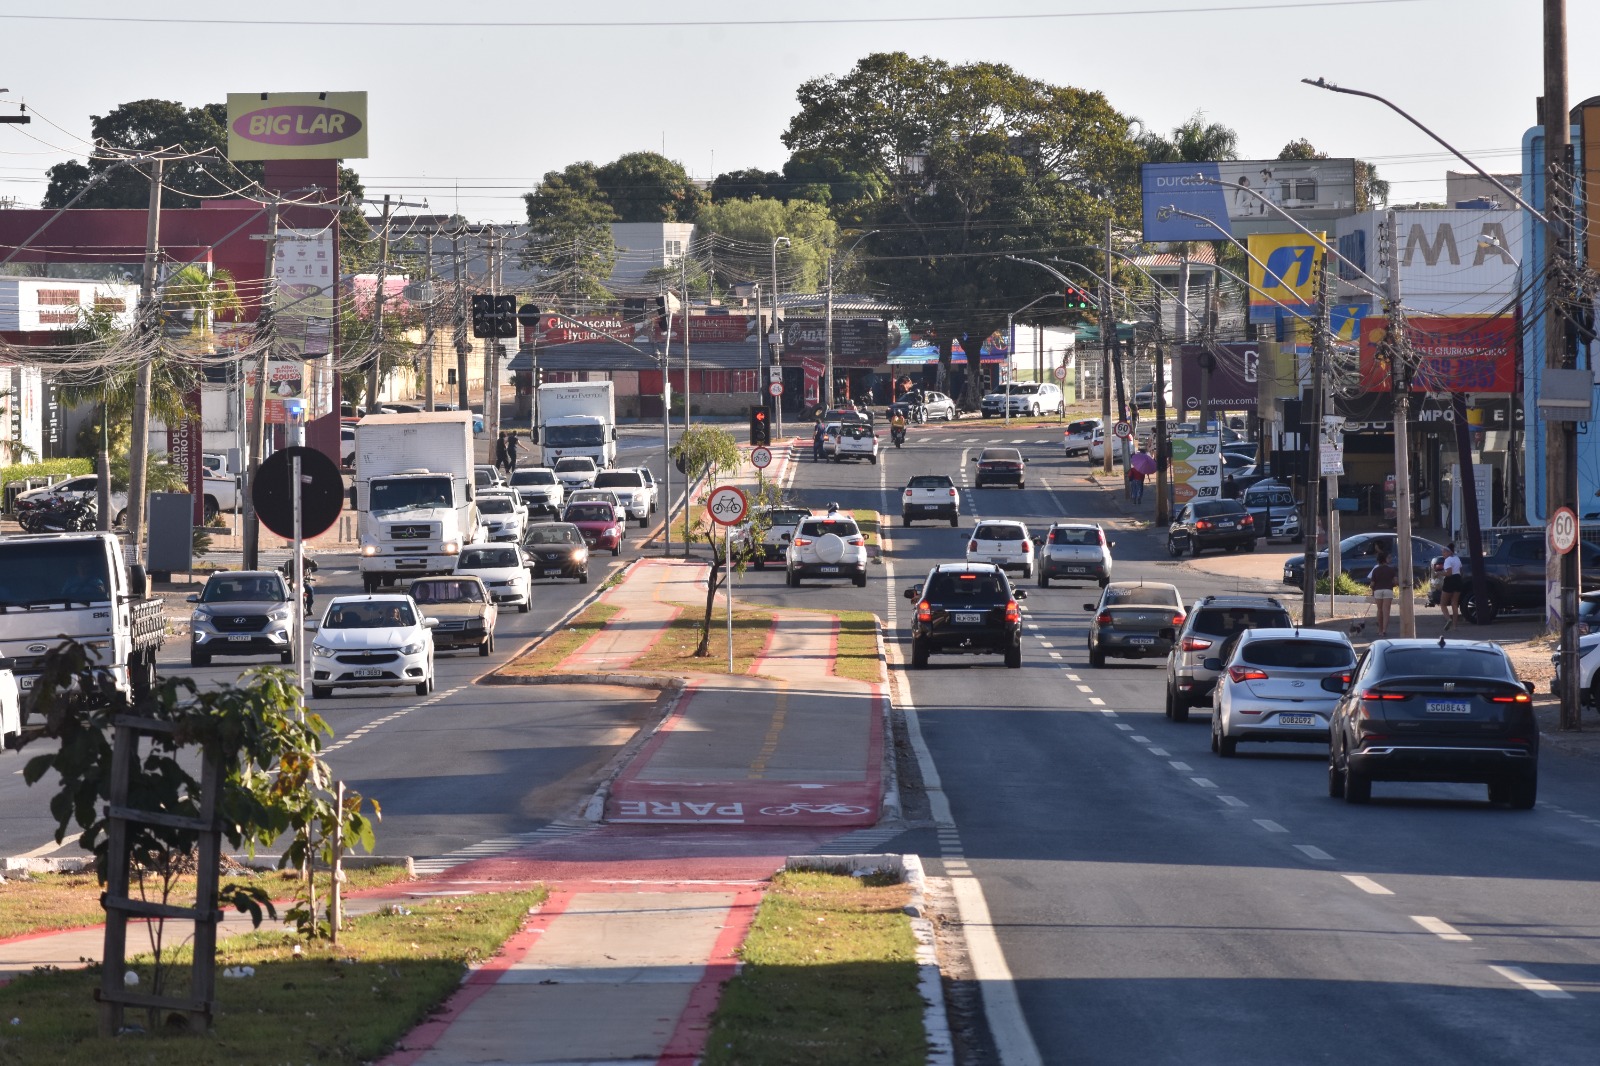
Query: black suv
[1202, 524]
[1211, 623]
[966, 608]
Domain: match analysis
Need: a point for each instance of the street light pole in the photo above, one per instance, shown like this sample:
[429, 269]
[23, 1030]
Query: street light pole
[775, 340]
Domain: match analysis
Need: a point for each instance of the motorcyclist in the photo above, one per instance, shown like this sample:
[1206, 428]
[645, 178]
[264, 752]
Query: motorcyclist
[897, 426]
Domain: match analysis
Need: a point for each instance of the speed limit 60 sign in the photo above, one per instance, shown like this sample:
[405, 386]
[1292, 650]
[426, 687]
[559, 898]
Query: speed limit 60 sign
[1563, 531]
[727, 506]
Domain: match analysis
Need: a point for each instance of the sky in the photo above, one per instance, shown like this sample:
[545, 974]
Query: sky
[471, 103]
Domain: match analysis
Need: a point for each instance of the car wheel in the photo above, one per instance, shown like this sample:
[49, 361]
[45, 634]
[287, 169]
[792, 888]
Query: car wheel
[1481, 615]
[1014, 657]
[583, 576]
[525, 606]
[1034, 410]
[644, 520]
[1104, 582]
[1335, 779]
[1232, 548]
[1174, 549]
[1044, 580]
[200, 658]
[321, 692]
[422, 688]
[1097, 658]
[1250, 547]
[1167, 707]
[953, 520]
[1227, 746]
[861, 581]
[1357, 787]
[794, 580]
[122, 517]
[1195, 549]
[1180, 708]
[905, 520]
[369, 583]
[286, 657]
[616, 551]
[874, 459]
[1027, 572]
[759, 563]
[919, 654]
[1523, 794]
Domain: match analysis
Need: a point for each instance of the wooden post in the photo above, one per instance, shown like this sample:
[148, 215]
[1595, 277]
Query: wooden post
[114, 961]
[335, 900]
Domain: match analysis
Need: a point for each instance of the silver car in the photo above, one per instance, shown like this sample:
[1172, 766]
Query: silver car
[937, 407]
[1074, 551]
[242, 612]
[1271, 687]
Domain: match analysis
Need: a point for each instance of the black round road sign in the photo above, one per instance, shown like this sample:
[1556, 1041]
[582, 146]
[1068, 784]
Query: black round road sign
[321, 492]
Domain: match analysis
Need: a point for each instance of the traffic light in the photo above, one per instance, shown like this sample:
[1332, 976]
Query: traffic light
[505, 316]
[667, 305]
[483, 316]
[760, 427]
[1077, 299]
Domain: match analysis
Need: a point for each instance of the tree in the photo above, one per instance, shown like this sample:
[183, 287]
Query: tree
[978, 163]
[570, 241]
[1371, 190]
[707, 451]
[817, 175]
[1193, 141]
[746, 185]
[749, 227]
[647, 187]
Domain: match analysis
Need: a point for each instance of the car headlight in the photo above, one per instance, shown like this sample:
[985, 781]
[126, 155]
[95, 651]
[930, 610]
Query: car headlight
[452, 547]
[280, 614]
[413, 648]
[321, 651]
[580, 555]
[613, 531]
[199, 617]
[369, 550]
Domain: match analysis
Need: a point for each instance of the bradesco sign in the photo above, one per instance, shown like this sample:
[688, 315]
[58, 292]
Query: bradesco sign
[297, 126]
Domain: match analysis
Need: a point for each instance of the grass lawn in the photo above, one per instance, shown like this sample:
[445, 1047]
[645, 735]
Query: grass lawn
[674, 652]
[857, 654]
[45, 902]
[543, 657]
[348, 1004]
[867, 520]
[829, 975]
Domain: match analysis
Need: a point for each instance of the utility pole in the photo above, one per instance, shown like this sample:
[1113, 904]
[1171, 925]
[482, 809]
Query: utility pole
[427, 325]
[1320, 356]
[1107, 328]
[688, 382]
[491, 362]
[459, 324]
[825, 394]
[264, 333]
[149, 324]
[373, 406]
[777, 344]
[1159, 401]
[1400, 384]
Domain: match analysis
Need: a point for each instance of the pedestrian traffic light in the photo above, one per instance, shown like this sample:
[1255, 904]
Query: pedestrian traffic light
[505, 316]
[483, 316]
[760, 427]
[1077, 299]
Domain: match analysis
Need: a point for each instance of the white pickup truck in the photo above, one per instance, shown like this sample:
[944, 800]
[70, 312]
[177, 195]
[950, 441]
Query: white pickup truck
[635, 492]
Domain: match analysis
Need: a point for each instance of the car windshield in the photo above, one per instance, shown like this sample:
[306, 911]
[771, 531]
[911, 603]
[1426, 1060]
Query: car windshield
[590, 512]
[839, 527]
[256, 588]
[856, 431]
[575, 466]
[1024, 390]
[930, 481]
[589, 436]
[447, 592]
[553, 533]
[533, 477]
[1075, 536]
[787, 517]
[1000, 532]
[1141, 596]
[618, 479]
[495, 505]
[980, 588]
[1447, 662]
[1226, 621]
[1213, 508]
[403, 493]
[1298, 654]
[380, 614]
[488, 558]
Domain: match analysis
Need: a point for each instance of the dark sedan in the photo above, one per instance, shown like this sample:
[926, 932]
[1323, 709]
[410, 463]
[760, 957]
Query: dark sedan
[556, 549]
[1358, 554]
[999, 466]
[1434, 710]
[1134, 620]
[1202, 524]
[966, 609]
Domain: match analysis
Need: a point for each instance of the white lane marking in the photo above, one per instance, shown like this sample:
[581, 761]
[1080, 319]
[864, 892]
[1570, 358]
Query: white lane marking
[1136, 738]
[1181, 767]
[1055, 655]
[1203, 783]
[1312, 852]
[1013, 1042]
[1085, 688]
[1233, 801]
[1367, 885]
[1108, 712]
[1161, 752]
[1269, 825]
[1443, 930]
[1071, 677]
[1125, 728]
[1537, 985]
[1042, 643]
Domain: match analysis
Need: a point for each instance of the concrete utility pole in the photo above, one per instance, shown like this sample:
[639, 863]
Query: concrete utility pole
[1400, 382]
[264, 332]
[373, 406]
[427, 326]
[491, 361]
[1314, 475]
[459, 324]
[1159, 401]
[776, 344]
[149, 324]
[825, 394]
[1107, 328]
[688, 383]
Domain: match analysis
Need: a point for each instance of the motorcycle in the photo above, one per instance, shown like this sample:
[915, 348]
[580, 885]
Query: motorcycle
[65, 516]
[898, 435]
[309, 593]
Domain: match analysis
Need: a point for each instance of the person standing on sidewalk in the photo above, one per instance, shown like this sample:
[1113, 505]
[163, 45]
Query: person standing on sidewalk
[511, 453]
[1136, 485]
[1383, 579]
[1450, 589]
[500, 452]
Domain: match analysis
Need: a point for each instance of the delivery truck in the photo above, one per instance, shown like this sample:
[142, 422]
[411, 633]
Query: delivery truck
[578, 418]
[413, 495]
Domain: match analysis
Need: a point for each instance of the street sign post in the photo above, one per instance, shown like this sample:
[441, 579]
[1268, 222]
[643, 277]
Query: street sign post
[727, 506]
[761, 458]
[1562, 530]
[775, 389]
[1123, 430]
[1060, 373]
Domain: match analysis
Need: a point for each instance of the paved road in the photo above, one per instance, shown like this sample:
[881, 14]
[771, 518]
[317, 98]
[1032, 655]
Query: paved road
[466, 765]
[1158, 904]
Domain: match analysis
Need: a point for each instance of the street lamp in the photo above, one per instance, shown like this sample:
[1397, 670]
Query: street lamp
[774, 336]
[826, 393]
[1011, 345]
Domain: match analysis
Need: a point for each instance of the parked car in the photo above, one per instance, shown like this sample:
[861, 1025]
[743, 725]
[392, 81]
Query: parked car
[376, 641]
[999, 466]
[856, 441]
[1269, 686]
[930, 496]
[1202, 524]
[503, 570]
[935, 406]
[1434, 710]
[599, 522]
[556, 549]
[463, 607]
[827, 546]
[966, 609]
[1078, 435]
[1134, 620]
[1003, 543]
[504, 516]
[1514, 570]
[1144, 399]
[1024, 398]
[1074, 551]
[242, 612]
[347, 447]
[539, 488]
[1211, 623]
[1358, 554]
[1275, 511]
[576, 472]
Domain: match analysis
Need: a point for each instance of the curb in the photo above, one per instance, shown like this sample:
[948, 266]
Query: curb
[83, 864]
[891, 807]
[930, 981]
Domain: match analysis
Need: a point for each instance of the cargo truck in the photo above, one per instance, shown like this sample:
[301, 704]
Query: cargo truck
[578, 418]
[413, 495]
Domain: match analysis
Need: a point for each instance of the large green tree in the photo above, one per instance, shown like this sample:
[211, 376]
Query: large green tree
[978, 164]
[749, 228]
[569, 242]
[647, 187]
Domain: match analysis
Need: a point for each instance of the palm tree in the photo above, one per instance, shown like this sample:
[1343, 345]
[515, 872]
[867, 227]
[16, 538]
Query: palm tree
[1193, 141]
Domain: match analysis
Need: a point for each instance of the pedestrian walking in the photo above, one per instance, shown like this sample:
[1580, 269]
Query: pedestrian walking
[1383, 579]
[1450, 589]
[511, 453]
[500, 452]
[1136, 484]
[816, 442]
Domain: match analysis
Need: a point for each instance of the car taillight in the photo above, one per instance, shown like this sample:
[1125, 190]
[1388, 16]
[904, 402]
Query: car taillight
[952, 492]
[801, 542]
[1521, 697]
[1202, 524]
[1103, 618]
[924, 612]
[1177, 619]
[1247, 520]
[1194, 644]
[972, 545]
[857, 540]
[1027, 546]
[1374, 694]
[908, 492]
[1102, 538]
[1246, 673]
[1012, 613]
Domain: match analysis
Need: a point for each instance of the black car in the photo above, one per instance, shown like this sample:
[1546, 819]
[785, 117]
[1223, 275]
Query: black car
[556, 549]
[999, 466]
[966, 609]
[1202, 524]
[1434, 710]
[1358, 554]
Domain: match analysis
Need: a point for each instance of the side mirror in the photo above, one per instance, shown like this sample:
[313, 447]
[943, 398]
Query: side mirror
[1019, 594]
[311, 625]
[785, 536]
[1090, 606]
[974, 458]
[193, 597]
[1212, 663]
[1336, 683]
[1531, 688]
[430, 623]
[1024, 462]
[911, 593]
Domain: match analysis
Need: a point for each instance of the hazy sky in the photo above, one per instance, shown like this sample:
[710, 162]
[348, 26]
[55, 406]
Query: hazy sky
[473, 101]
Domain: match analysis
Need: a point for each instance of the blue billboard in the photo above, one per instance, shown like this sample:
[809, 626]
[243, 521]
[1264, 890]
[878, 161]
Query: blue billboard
[1239, 197]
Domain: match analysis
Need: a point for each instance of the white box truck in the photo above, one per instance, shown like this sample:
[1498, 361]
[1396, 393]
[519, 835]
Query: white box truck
[413, 494]
[578, 418]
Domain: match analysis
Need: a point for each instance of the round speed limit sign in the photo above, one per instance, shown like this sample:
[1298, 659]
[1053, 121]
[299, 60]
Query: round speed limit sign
[727, 506]
[1563, 531]
[1123, 430]
[761, 458]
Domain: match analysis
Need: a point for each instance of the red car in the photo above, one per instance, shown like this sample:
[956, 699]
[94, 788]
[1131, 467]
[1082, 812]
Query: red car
[599, 522]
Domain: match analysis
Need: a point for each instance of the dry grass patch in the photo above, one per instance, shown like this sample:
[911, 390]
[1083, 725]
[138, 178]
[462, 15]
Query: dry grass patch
[673, 653]
[867, 520]
[545, 656]
[857, 655]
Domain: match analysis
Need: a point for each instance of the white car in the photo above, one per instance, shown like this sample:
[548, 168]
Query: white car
[485, 476]
[1097, 447]
[1077, 437]
[636, 496]
[856, 441]
[540, 489]
[1025, 398]
[347, 447]
[610, 496]
[829, 546]
[1270, 686]
[503, 569]
[576, 472]
[10, 711]
[1004, 543]
[379, 641]
[504, 517]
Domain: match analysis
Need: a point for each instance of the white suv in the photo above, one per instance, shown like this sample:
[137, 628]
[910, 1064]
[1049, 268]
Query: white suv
[576, 472]
[1003, 543]
[539, 488]
[829, 545]
[633, 495]
[1025, 398]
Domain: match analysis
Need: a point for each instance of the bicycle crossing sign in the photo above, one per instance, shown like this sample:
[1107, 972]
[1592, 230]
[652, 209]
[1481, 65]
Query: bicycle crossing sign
[727, 506]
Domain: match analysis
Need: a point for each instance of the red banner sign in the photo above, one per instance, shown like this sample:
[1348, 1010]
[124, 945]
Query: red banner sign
[1454, 354]
[185, 447]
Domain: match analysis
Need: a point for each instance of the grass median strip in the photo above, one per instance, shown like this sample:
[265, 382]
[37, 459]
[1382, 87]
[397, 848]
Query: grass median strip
[324, 1004]
[674, 652]
[543, 658]
[829, 975]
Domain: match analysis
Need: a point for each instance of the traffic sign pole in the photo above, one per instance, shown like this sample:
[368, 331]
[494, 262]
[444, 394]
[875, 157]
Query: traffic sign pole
[727, 581]
[299, 585]
[1562, 531]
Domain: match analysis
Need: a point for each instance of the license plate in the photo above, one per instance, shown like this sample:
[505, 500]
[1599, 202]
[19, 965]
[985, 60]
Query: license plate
[1224, 525]
[928, 506]
[1448, 707]
[1297, 719]
[1077, 569]
[968, 618]
[998, 559]
[240, 638]
[410, 564]
[367, 672]
[1141, 640]
[827, 569]
[24, 684]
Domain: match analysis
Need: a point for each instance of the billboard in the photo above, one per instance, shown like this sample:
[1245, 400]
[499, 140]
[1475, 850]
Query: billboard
[1452, 262]
[1455, 354]
[297, 125]
[1196, 468]
[1228, 375]
[1309, 190]
[1283, 274]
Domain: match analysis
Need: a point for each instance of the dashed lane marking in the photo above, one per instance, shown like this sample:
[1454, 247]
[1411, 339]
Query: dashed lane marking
[1181, 767]
[1125, 728]
[1441, 929]
[1367, 885]
[1233, 801]
[1096, 701]
[1269, 825]
[1310, 851]
[1537, 985]
[1137, 739]
[1203, 782]
[1085, 688]
[1159, 752]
